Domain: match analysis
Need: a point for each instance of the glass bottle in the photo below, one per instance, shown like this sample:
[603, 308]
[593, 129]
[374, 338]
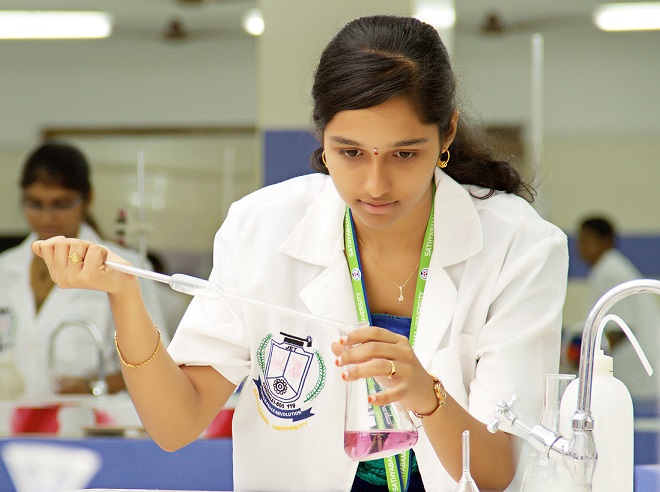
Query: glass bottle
[467, 483]
[11, 382]
[541, 473]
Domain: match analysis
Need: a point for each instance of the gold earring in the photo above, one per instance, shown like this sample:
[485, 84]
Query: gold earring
[443, 164]
[323, 159]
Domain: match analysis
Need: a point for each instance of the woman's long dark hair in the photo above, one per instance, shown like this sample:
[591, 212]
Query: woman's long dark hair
[373, 59]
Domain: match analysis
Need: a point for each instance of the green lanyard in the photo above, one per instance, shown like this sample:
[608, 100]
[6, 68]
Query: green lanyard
[398, 474]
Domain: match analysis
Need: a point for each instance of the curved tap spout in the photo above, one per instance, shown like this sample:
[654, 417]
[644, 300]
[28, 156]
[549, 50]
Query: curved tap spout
[578, 453]
[98, 387]
[590, 331]
[582, 451]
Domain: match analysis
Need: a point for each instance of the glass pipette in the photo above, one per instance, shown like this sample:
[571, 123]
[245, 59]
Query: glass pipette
[194, 286]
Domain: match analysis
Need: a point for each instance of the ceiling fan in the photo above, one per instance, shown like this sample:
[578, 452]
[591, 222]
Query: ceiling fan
[176, 30]
[494, 23]
[196, 3]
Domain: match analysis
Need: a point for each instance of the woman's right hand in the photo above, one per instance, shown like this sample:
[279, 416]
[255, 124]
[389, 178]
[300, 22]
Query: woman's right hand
[75, 263]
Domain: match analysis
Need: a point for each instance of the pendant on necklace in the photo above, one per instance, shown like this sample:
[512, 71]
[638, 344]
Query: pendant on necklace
[400, 298]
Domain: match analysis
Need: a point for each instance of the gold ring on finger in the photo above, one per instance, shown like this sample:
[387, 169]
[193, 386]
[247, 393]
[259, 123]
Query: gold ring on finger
[392, 370]
[76, 258]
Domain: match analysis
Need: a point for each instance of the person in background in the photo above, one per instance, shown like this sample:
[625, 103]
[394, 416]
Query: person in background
[410, 225]
[609, 267]
[56, 198]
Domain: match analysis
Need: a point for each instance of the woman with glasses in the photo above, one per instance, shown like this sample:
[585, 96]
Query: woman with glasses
[56, 198]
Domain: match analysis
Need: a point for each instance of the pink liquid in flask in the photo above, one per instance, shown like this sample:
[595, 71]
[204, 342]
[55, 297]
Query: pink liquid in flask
[374, 444]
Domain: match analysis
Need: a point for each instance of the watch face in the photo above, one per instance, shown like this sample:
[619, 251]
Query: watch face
[440, 394]
[439, 389]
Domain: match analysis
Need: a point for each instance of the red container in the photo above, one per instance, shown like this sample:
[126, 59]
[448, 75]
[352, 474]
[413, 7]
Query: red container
[221, 424]
[35, 420]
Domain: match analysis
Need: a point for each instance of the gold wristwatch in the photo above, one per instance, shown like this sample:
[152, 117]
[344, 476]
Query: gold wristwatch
[440, 394]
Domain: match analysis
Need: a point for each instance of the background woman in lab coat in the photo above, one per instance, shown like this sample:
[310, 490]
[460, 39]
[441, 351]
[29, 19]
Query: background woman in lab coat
[57, 195]
[403, 186]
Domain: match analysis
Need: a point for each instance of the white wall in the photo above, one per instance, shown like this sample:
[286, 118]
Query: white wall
[595, 83]
[120, 82]
[601, 120]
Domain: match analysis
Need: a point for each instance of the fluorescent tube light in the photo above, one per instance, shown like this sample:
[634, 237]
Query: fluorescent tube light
[628, 16]
[440, 16]
[36, 24]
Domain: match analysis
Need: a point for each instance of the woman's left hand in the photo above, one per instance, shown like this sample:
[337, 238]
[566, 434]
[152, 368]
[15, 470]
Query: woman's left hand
[388, 357]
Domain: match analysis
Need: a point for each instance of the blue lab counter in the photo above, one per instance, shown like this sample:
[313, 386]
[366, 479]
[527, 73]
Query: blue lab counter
[205, 464]
[647, 432]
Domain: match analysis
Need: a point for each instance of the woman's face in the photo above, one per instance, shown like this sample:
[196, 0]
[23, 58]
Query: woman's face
[53, 210]
[381, 160]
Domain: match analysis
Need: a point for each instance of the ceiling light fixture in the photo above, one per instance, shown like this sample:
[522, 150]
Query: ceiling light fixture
[642, 16]
[253, 22]
[440, 14]
[38, 24]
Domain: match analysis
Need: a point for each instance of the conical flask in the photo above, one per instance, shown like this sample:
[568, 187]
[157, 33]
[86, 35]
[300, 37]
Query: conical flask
[541, 473]
[467, 483]
[371, 431]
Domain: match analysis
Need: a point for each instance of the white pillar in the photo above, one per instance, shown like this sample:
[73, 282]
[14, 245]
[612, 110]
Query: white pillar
[296, 31]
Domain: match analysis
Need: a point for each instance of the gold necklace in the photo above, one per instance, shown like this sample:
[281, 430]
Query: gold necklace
[400, 298]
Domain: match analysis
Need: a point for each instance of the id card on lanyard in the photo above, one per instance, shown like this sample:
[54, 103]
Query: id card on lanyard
[397, 467]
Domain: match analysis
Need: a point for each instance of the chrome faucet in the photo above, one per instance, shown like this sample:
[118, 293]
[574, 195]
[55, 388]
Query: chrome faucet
[578, 453]
[98, 387]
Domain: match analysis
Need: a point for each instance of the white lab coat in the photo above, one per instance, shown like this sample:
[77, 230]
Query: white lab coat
[75, 353]
[489, 325]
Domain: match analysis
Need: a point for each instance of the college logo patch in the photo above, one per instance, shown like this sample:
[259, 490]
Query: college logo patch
[293, 375]
[356, 274]
[424, 273]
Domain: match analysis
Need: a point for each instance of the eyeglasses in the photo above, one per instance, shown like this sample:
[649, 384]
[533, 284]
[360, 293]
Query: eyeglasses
[59, 206]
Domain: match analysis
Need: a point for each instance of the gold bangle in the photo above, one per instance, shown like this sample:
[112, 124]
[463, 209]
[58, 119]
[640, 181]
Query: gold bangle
[440, 394]
[141, 364]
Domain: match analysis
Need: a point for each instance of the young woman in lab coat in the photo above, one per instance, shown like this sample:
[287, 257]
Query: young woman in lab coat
[56, 196]
[402, 186]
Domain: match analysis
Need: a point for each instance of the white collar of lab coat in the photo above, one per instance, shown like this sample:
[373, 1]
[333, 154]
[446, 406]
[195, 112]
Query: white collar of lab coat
[319, 235]
[318, 239]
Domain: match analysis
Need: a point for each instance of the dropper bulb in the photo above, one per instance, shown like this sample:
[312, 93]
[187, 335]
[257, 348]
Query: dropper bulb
[195, 286]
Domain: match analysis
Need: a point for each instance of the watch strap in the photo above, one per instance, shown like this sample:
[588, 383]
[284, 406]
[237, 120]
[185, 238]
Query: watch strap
[441, 395]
